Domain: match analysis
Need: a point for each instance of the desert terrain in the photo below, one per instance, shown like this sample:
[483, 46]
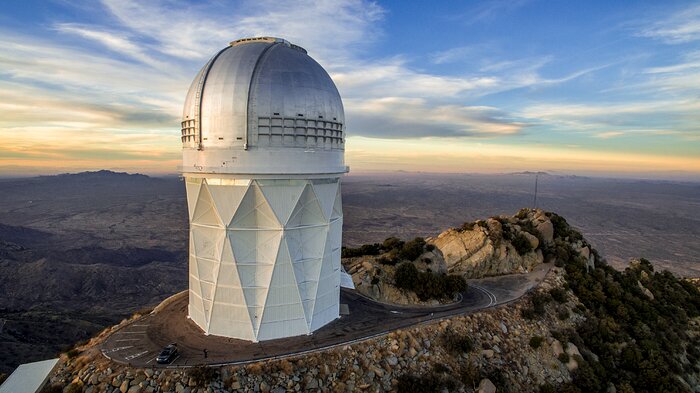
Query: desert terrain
[80, 252]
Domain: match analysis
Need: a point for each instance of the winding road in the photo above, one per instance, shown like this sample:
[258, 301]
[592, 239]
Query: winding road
[139, 342]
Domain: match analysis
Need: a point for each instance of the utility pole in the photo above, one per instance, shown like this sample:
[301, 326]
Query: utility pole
[536, 177]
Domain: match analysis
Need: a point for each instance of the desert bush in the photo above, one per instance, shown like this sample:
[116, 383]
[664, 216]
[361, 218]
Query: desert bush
[455, 343]
[49, 388]
[412, 249]
[521, 244]
[467, 226]
[202, 375]
[430, 382]
[536, 341]
[528, 313]
[563, 357]
[539, 301]
[72, 353]
[563, 314]
[73, 388]
[470, 375]
[547, 388]
[406, 276]
[428, 285]
[558, 294]
[392, 243]
[366, 249]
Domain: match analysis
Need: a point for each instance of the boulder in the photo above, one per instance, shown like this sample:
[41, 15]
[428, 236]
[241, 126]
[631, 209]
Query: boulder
[124, 386]
[546, 230]
[486, 386]
[645, 290]
[557, 348]
[478, 253]
[534, 241]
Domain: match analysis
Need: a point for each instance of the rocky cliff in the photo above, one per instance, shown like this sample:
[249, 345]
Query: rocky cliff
[499, 245]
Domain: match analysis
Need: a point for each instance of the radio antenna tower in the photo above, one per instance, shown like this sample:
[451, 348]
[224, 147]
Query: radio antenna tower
[536, 177]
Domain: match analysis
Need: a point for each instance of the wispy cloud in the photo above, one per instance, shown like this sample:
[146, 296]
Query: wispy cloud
[403, 118]
[680, 27]
[117, 42]
[609, 134]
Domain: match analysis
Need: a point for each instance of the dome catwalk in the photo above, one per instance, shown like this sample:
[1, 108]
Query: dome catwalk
[263, 152]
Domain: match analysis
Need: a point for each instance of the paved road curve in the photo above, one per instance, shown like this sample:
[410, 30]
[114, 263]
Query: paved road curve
[140, 342]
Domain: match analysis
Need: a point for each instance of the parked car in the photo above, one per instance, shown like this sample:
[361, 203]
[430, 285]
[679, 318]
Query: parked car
[168, 354]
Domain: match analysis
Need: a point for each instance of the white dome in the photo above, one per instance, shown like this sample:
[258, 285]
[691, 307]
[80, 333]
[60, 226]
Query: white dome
[263, 106]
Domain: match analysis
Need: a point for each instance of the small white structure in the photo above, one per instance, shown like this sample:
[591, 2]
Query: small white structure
[29, 377]
[263, 153]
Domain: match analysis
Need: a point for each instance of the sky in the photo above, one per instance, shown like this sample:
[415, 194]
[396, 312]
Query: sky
[602, 88]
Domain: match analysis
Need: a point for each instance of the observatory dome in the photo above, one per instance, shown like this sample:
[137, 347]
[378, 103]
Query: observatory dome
[263, 106]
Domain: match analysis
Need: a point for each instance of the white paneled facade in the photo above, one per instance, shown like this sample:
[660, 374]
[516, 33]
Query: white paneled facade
[264, 255]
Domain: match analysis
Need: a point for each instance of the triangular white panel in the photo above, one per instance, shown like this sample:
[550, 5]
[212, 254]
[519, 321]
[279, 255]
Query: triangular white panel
[205, 211]
[282, 198]
[326, 193]
[306, 243]
[192, 186]
[207, 241]
[307, 211]
[254, 211]
[226, 200]
[250, 247]
[335, 233]
[283, 301]
[338, 205]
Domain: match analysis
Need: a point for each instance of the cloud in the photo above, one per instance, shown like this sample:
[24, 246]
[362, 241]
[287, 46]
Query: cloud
[195, 31]
[678, 28]
[609, 134]
[405, 118]
[117, 42]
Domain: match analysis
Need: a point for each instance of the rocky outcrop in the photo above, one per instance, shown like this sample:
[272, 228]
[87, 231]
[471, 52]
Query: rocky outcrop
[376, 280]
[486, 248]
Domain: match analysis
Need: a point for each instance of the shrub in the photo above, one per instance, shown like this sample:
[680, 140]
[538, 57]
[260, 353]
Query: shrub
[467, 226]
[406, 276]
[455, 284]
[366, 249]
[72, 353]
[528, 313]
[413, 249]
[428, 285]
[536, 341]
[521, 244]
[539, 301]
[563, 314]
[375, 280]
[49, 388]
[522, 213]
[547, 388]
[202, 375]
[558, 294]
[563, 357]
[431, 382]
[470, 375]
[457, 344]
[429, 247]
[392, 243]
[74, 388]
